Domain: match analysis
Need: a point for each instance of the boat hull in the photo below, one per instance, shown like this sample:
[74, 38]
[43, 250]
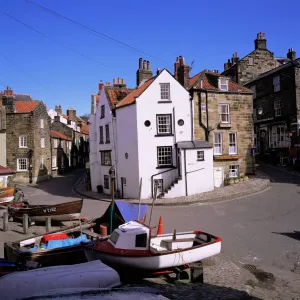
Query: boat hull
[159, 262]
[57, 212]
[6, 195]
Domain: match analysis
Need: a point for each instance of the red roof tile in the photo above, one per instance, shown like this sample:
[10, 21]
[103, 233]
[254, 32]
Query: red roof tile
[135, 93]
[58, 135]
[210, 82]
[26, 106]
[85, 128]
[116, 95]
[6, 171]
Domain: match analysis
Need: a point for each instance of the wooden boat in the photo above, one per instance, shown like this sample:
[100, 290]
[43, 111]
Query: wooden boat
[20, 252]
[7, 195]
[94, 274]
[58, 212]
[131, 247]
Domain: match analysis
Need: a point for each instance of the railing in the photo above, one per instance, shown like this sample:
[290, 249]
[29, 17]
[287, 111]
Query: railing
[167, 180]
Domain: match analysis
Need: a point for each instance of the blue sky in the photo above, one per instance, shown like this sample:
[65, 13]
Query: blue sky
[208, 32]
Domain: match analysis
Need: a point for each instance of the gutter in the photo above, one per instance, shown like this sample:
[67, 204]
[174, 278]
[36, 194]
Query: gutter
[192, 115]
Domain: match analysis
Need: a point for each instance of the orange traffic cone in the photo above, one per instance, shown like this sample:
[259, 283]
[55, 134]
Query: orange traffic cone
[160, 226]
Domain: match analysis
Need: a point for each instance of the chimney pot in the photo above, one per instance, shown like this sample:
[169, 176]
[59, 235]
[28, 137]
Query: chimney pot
[119, 81]
[123, 81]
[145, 65]
[157, 71]
[148, 65]
[115, 81]
[141, 63]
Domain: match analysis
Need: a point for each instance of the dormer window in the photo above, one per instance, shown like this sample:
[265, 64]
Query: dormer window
[223, 84]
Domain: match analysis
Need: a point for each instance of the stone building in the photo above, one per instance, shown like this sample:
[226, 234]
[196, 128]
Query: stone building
[2, 134]
[61, 147]
[258, 61]
[222, 117]
[28, 138]
[276, 101]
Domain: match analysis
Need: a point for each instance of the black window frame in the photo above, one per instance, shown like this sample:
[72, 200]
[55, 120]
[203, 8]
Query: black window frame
[160, 187]
[101, 135]
[157, 154]
[103, 159]
[102, 116]
[200, 151]
[141, 240]
[106, 182]
[107, 134]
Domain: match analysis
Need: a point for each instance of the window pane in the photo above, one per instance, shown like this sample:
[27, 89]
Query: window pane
[164, 156]
[164, 124]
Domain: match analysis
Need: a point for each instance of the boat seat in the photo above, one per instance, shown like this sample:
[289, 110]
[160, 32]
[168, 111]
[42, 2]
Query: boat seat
[178, 240]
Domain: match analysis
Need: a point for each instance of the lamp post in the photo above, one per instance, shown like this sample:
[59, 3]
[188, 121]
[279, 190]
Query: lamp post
[112, 205]
[30, 154]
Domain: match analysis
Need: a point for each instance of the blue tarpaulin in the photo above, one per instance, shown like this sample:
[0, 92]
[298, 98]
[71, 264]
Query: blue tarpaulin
[129, 211]
[5, 263]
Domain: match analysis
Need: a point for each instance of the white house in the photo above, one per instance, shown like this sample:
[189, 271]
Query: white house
[151, 137]
[103, 138]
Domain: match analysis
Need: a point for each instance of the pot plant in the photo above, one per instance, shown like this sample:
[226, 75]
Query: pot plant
[246, 178]
[236, 180]
[231, 181]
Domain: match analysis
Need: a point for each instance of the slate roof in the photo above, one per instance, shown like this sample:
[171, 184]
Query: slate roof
[58, 135]
[210, 83]
[26, 106]
[130, 98]
[20, 97]
[196, 144]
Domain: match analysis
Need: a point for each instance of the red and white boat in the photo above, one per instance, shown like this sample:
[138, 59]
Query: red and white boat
[131, 247]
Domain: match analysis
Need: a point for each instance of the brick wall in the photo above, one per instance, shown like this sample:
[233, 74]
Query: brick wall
[241, 123]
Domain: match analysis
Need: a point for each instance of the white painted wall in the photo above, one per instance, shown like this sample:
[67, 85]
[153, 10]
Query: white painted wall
[148, 107]
[2, 148]
[127, 139]
[52, 113]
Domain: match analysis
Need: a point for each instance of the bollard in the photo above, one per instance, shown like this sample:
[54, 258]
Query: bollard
[25, 224]
[48, 224]
[5, 221]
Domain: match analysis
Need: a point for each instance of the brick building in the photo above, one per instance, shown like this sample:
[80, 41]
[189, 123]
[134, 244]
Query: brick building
[28, 138]
[223, 117]
[258, 61]
[276, 101]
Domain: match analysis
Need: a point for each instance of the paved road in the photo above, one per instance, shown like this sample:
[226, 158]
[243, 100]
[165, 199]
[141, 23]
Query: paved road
[262, 230]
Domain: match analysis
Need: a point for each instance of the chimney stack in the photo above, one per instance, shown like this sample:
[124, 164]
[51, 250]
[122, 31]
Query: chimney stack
[291, 54]
[115, 81]
[58, 109]
[157, 71]
[71, 113]
[143, 73]
[176, 66]
[183, 71]
[227, 65]
[9, 100]
[100, 86]
[123, 81]
[260, 42]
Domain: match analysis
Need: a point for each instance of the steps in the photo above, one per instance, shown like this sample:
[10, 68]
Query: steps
[167, 191]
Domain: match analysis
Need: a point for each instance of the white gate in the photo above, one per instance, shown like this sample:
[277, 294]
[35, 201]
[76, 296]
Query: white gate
[219, 176]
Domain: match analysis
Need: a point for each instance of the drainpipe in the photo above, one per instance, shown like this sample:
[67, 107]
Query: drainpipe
[200, 115]
[185, 172]
[192, 119]
[207, 132]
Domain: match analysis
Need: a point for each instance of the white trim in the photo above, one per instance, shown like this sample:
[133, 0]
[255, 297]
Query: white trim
[54, 165]
[43, 142]
[223, 84]
[42, 123]
[167, 125]
[220, 143]
[23, 141]
[225, 114]
[165, 91]
[234, 171]
[18, 165]
[41, 163]
[232, 144]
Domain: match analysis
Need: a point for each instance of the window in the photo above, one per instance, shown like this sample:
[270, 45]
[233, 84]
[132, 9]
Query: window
[101, 135]
[224, 113]
[22, 164]
[223, 84]
[42, 142]
[200, 155]
[106, 181]
[250, 61]
[277, 108]
[164, 156]
[232, 143]
[42, 163]
[276, 83]
[114, 237]
[55, 143]
[23, 142]
[253, 88]
[218, 143]
[102, 112]
[107, 137]
[62, 144]
[279, 137]
[69, 145]
[233, 171]
[141, 240]
[164, 124]
[159, 183]
[42, 123]
[54, 162]
[106, 158]
[62, 161]
[165, 91]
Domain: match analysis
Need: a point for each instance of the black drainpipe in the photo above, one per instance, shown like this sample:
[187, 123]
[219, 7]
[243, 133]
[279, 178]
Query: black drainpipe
[185, 172]
[200, 115]
[207, 131]
[192, 117]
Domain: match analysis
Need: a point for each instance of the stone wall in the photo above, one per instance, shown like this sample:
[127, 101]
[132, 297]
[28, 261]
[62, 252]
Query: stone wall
[241, 123]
